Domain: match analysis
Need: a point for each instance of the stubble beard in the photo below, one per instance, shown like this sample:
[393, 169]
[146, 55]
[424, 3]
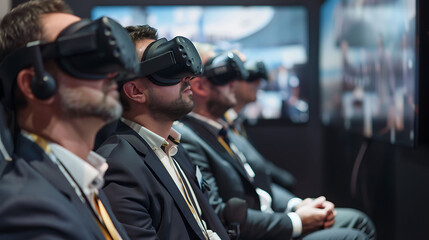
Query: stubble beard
[75, 105]
[172, 111]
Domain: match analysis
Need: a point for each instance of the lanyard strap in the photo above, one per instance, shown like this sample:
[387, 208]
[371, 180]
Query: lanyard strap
[226, 146]
[108, 224]
[240, 159]
[108, 234]
[190, 200]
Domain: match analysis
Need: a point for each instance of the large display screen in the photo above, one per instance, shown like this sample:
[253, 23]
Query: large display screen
[368, 67]
[276, 35]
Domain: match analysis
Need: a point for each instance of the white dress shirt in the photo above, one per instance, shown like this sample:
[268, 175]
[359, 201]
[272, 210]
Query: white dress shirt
[86, 177]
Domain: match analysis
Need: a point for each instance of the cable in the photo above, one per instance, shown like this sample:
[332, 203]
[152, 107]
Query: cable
[356, 167]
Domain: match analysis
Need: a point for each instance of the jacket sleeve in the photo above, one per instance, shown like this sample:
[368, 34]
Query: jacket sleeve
[38, 217]
[123, 189]
[258, 225]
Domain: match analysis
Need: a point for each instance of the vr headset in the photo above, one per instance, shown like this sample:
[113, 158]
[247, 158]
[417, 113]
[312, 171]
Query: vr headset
[166, 63]
[224, 68]
[88, 50]
[257, 70]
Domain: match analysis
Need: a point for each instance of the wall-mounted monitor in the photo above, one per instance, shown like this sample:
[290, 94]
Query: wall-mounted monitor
[277, 35]
[368, 68]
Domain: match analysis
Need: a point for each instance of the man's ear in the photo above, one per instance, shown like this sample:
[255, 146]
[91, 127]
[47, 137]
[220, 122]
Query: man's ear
[200, 86]
[23, 82]
[135, 91]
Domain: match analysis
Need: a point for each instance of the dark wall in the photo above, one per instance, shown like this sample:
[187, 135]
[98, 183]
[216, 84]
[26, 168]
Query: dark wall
[298, 148]
[392, 181]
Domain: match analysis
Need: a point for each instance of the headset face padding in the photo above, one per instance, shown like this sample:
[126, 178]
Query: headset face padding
[166, 63]
[257, 70]
[224, 68]
[88, 50]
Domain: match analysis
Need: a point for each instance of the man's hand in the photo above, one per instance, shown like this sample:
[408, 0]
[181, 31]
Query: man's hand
[330, 219]
[316, 214]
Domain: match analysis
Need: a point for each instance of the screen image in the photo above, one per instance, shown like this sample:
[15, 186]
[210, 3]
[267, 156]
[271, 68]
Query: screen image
[368, 75]
[259, 32]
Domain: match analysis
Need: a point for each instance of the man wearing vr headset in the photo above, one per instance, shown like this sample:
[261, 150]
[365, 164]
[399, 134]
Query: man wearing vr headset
[151, 183]
[228, 173]
[277, 181]
[273, 174]
[57, 78]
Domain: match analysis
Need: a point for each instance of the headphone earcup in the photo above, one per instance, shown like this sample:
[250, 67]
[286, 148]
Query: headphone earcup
[43, 88]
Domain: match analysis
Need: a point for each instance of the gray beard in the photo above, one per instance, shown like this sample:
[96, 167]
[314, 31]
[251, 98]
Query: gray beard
[74, 106]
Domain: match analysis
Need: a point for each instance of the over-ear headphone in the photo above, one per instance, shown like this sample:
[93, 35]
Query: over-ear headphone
[42, 85]
[88, 50]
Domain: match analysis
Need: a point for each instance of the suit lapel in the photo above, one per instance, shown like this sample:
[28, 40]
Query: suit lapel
[208, 214]
[201, 130]
[36, 157]
[155, 164]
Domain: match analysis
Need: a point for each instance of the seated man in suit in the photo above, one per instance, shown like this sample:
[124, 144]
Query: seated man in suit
[229, 175]
[151, 183]
[274, 179]
[51, 188]
[245, 93]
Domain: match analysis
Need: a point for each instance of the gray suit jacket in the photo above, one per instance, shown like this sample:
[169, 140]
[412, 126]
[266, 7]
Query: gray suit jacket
[263, 172]
[227, 179]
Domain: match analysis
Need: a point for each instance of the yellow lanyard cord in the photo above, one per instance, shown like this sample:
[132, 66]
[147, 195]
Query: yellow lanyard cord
[189, 201]
[226, 146]
[109, 230]
[41, 142]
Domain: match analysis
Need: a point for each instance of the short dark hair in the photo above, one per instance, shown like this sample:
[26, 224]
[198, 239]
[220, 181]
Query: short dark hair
[141, 32]
[137, 33]
[22, 25]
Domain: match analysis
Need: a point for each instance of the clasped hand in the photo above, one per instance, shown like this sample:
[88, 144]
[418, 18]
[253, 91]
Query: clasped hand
[316, 214]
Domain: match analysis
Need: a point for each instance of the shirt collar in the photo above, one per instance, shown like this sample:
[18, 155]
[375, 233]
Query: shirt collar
[230, 116]
[213, 126]
[154, 140]
[89, 174]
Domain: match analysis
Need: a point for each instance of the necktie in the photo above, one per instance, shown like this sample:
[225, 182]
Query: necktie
[108, 229]
[224, 141]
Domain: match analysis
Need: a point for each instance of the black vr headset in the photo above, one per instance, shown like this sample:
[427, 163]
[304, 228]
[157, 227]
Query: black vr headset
[224, 68]
[86, 49]
[166, 63]
[257, 70]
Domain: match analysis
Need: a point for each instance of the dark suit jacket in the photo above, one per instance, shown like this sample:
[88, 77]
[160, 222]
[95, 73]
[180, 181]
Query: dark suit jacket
[144, 197]
[227, 179]
[262, 169]
[37, 201]
[269, 172]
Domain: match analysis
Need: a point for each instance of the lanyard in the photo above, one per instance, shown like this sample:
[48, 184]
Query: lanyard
[190, 200]
[108, 234]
